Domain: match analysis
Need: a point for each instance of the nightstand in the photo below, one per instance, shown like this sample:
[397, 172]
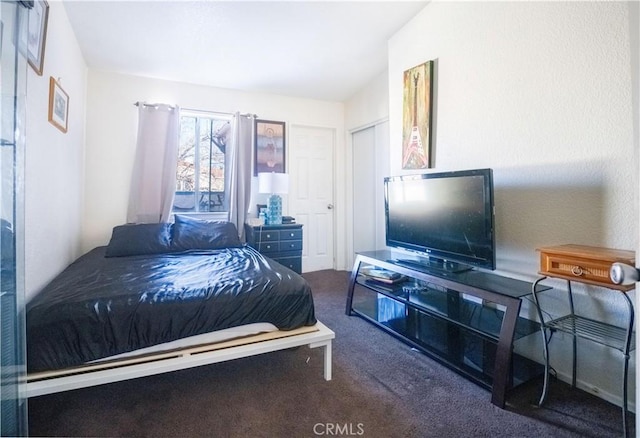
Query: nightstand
[282, 243]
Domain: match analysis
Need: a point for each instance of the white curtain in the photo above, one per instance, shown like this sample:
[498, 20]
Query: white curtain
[153, 183]
[239, 181]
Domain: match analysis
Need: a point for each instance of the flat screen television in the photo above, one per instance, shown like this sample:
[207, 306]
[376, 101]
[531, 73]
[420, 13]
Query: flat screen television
[446, 217]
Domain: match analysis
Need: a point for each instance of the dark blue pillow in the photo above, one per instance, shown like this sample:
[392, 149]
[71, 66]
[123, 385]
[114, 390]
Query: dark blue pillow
[139, 239]
[191, 233]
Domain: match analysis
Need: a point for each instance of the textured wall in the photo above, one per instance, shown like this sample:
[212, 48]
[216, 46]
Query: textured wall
[541, 93]
[54, 169]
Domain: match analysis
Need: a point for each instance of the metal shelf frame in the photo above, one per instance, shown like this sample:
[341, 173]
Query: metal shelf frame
[502, 291]
[618, 338]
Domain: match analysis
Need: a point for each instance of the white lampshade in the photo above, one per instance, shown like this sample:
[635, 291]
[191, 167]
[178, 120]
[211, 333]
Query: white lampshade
[271, 182]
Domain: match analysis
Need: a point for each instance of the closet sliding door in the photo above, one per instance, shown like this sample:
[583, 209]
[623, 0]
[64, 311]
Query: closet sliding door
[370, 166]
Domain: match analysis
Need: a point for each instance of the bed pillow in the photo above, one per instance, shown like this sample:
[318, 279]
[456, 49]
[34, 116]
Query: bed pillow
[139, 239]
[191, 233]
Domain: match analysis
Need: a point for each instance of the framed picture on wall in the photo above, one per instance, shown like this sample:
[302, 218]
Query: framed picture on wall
[58, 105]
[37, 35]
[416, 117]
[269, 148]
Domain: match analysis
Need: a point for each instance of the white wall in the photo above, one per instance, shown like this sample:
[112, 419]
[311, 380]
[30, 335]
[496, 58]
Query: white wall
[111, 138]
[54, 170]
[369, 105]
[541, 93]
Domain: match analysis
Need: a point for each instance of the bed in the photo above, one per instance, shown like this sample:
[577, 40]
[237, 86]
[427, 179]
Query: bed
[163, 297]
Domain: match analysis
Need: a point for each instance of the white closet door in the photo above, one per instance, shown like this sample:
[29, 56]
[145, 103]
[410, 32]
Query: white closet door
[364, 192]
[370, 166]
[382, 170]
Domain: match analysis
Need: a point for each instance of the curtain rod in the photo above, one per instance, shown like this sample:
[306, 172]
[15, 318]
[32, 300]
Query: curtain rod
[198, 111]
[220, 112]
[155, 105]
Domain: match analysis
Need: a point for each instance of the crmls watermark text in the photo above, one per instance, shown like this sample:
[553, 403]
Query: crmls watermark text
[337, 429]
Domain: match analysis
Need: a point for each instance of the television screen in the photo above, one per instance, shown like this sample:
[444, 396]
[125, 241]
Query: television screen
[448, 216]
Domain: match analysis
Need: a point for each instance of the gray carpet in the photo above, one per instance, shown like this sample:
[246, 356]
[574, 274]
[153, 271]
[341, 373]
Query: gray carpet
[380, 388]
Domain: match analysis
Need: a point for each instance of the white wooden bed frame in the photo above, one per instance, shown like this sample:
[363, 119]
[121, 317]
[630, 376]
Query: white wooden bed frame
[48, 382]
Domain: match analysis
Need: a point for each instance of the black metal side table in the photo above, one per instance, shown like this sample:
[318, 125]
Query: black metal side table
[590, 265]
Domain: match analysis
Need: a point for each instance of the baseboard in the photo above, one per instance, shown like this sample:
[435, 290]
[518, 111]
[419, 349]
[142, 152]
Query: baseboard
[531, 348]
[615, 399]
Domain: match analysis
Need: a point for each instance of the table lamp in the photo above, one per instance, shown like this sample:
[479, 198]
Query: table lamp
[273, 183]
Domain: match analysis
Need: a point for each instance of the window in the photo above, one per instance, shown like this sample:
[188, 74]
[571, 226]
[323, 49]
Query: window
[201, 170]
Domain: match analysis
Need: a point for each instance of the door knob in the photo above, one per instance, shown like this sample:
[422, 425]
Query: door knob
[621, 273]
[329, 206]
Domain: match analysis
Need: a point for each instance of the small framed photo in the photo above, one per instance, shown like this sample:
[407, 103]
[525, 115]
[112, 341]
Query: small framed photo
[58, 105]
[269, 149]
[37, 35]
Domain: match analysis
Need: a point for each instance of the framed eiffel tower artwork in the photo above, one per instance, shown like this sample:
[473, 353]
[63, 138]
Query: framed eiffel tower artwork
[416, 117]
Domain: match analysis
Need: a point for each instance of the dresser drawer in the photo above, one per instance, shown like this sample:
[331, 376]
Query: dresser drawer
[267, 236]
[275, 235]
[584, 264]
[291, 245]
[267, 247]
[293, 263]
[291, 234]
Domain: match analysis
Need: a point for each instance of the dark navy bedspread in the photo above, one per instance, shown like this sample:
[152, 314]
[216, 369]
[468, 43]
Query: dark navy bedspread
[99, 306]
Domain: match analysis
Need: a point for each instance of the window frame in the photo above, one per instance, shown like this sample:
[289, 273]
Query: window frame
[215, 116]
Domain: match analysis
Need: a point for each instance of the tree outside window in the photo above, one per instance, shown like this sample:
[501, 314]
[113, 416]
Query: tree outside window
[200, 182]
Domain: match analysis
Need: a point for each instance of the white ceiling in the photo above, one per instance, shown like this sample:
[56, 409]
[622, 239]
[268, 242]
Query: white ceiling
[321, 50]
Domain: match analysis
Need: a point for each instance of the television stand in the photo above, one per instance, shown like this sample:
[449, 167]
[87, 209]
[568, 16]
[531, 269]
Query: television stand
[467, 321]
[429, 265]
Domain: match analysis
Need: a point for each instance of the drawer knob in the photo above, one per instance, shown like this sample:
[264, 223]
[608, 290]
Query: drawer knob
[577, 271]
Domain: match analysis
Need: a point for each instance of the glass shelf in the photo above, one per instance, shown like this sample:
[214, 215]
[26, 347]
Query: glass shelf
[462, 347]
[483, 318]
